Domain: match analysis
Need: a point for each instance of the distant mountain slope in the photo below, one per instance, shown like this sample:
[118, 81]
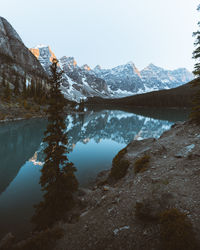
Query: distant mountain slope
[176, 97]
[77, 82]
[128, 80]
[15, 58]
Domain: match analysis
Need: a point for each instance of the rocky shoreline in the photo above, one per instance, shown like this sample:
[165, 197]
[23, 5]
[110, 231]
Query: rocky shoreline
[14, 112]
[110, 219]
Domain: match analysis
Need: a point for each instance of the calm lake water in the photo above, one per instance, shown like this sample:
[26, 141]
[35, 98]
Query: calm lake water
[94, 139]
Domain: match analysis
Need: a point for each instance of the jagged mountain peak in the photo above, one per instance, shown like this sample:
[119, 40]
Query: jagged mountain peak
[41, 46]
[152, 66]
[44, 54]
[98, 67]
[43, 51]
[130, 63]
[86, 67]
[68, 62]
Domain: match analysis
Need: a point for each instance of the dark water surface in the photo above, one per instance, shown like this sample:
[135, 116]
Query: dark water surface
[94, 139]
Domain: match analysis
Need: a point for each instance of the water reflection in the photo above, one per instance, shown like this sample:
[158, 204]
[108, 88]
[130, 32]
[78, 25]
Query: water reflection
[94, 139]
[18, 143]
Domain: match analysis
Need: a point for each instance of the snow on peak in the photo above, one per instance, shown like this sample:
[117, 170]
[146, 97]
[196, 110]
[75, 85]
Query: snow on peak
[68, 61]
[86, 67]
[40, 46]
[97, 68]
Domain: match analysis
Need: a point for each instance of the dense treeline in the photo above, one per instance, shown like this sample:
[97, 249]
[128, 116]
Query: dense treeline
[178, 97]
[19, 89]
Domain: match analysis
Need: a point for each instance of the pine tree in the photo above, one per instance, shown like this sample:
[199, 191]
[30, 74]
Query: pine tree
[57, 180]
[24, 88]
[16, 86]
[195, 114]
[32, 89]
[196, 53]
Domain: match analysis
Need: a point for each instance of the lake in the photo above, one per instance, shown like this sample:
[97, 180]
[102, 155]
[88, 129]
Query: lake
[94, 139]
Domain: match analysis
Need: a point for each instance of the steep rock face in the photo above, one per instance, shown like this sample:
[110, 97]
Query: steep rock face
[15, 58]
[77, 83]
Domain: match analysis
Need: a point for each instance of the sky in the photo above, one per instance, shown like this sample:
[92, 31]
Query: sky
[109, 32]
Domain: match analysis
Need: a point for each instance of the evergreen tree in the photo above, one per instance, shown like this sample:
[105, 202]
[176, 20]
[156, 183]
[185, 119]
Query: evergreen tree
[24, 89]
[32, 89]
[16, 86]
[195, 114]
[196, 53]
[57, 180]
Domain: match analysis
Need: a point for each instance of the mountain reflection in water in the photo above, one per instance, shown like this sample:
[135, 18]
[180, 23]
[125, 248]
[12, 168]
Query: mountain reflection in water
[94, 139]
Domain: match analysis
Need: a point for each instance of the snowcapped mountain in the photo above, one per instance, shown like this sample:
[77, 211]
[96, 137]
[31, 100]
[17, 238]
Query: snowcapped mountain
[158, 78]
[45, 56]
[77, 83]
[124, 80]
[128, 80]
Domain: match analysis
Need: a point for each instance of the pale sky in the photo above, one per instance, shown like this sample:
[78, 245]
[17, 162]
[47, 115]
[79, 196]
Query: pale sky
[109, 32]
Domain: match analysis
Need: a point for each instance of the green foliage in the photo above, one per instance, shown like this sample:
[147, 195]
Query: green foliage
[141, 164]
[57, 180]
[119, 165]
[176, 231]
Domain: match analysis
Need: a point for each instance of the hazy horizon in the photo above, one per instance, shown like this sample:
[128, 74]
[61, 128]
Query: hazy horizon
[109, 33]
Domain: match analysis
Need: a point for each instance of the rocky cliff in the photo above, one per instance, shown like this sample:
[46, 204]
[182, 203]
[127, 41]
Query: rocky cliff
[15, 58]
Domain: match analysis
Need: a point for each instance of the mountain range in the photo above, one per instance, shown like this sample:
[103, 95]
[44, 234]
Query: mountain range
[79, 82]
